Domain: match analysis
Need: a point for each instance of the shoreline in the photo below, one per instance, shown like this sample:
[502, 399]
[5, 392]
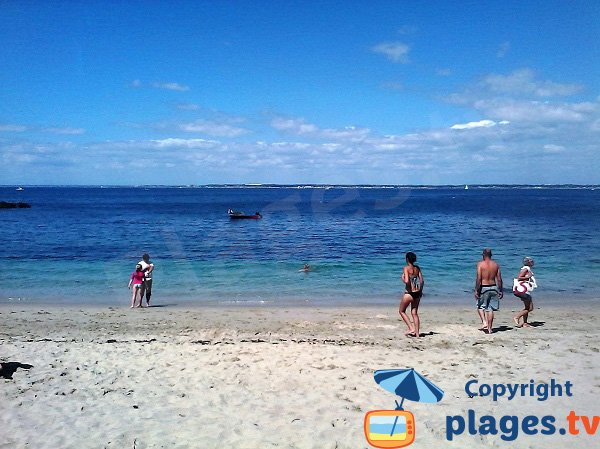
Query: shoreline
[164, 300]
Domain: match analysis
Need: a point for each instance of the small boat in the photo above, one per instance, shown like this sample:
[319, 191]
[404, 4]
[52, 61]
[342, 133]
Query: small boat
[466, 187]
[20, 189]
[7, 205]
[241, 215]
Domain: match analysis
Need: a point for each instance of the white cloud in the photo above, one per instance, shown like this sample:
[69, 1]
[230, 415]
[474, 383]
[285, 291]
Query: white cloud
[12, 128]
[523, 82]
[550, 148]
[479, 124]
[185, 143]
[50, 155]
[535, 111]
[212, 128]
[171, 86]
[515, 98]
[394, 51]
[66, 131]
[294, 126]
[136, 84]
[188, 107]
[51, 130]
[299, 127]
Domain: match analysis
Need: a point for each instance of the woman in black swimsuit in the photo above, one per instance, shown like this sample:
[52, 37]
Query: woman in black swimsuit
[413, 281]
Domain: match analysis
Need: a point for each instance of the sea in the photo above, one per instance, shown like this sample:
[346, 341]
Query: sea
[80, 245]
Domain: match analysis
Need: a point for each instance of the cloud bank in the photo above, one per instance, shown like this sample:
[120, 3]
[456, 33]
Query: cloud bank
[525, 128]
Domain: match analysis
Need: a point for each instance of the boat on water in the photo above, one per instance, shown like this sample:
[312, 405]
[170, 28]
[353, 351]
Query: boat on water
[8, 205]
[236, 215]
[20, 189]
[466, 187]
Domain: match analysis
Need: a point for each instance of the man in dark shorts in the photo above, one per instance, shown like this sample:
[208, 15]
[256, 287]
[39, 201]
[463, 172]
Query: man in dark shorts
[488, 290]
[148, 268]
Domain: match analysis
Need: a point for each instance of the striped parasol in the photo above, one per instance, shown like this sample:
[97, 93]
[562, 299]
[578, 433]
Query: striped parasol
[408, 384]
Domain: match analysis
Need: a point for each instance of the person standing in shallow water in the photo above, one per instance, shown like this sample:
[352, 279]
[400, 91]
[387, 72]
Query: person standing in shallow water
[412, 276]
[488, 290]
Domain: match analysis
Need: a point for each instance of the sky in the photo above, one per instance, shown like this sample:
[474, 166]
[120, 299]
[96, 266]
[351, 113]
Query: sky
[299, 92]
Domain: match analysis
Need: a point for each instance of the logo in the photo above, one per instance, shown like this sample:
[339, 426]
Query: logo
[396, 428]
[389, 428]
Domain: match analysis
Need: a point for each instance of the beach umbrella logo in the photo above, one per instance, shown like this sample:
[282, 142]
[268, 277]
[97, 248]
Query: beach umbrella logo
[396, 428]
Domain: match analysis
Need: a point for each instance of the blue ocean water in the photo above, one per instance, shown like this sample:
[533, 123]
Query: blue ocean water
[80, 244]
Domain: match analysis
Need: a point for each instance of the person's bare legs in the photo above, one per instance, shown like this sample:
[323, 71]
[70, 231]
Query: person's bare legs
[489, 315]
[406, 300]
[527, 307]
[134, 296]
[516, 319]
[481, 314]
[414, 311]
[137, 293]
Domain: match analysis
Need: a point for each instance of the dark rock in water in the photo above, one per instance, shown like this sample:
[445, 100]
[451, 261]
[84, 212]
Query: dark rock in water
[6, 205]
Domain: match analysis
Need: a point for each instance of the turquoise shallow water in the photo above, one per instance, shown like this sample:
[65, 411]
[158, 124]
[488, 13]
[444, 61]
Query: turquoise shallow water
[80, 244]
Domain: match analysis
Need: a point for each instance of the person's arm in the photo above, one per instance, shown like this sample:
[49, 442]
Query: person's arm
[130, 281]
[150, 268]
[499, 283]
[422, 279]
[524, 275]
[405, 275]
[478, 282]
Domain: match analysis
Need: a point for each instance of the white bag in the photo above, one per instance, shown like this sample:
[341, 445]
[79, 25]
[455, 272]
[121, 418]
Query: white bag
[524, 287]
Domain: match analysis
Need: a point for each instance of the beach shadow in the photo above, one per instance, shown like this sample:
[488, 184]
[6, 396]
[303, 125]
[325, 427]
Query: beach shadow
[498, 329]
[428, 334]
[7, 369]
[153, 306]
[537, 323]
[424, 334]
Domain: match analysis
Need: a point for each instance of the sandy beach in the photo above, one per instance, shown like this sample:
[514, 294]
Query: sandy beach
[219, 377]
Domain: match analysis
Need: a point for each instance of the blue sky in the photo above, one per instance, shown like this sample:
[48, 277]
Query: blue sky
[352, 92]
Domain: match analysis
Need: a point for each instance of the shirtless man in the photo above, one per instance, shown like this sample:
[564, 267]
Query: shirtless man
[488, 290]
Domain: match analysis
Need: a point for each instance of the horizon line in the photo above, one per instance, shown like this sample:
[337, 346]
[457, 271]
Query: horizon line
[308, 185]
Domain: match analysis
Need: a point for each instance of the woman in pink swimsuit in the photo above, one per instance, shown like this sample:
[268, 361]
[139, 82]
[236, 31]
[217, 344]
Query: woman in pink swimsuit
[136, 281]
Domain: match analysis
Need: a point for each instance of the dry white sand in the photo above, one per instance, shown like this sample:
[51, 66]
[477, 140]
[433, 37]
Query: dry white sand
[233, 377]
